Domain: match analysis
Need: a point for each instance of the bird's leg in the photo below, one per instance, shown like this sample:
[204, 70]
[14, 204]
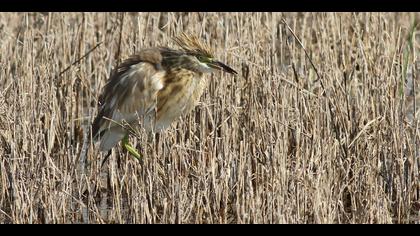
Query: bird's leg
[130, 148]
[106, 157]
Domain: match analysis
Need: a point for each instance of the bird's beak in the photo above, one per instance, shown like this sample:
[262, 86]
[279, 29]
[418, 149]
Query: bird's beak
[221, 66]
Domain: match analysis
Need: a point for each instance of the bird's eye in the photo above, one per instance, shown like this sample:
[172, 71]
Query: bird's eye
[203, 58]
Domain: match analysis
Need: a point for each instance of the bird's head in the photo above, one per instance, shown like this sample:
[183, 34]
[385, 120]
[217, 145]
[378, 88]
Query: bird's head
[200, 56]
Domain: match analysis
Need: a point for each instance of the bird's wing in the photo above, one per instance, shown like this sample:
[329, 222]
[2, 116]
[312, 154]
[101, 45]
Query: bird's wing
[130, 92]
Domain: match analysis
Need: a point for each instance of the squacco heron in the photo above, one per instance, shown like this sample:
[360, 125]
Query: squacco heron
[153, 87]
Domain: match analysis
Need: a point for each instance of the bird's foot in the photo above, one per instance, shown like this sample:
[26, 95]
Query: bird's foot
[130, 148]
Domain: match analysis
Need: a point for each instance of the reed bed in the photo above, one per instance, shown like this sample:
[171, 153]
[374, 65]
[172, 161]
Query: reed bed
[320, 126]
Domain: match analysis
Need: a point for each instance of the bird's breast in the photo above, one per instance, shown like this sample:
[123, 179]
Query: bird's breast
[178, 98]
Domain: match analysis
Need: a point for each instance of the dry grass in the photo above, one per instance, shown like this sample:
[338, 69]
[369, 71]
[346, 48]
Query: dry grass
[276, 144]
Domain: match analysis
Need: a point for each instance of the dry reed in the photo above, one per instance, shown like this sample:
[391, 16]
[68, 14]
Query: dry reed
[276, 144]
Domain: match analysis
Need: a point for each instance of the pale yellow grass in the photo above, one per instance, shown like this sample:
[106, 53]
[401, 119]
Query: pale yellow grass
[275, 144]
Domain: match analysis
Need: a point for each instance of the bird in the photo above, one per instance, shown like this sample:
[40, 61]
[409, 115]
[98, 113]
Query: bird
[153, 87]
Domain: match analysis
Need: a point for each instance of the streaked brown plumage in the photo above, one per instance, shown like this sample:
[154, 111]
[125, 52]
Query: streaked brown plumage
[155, 86]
